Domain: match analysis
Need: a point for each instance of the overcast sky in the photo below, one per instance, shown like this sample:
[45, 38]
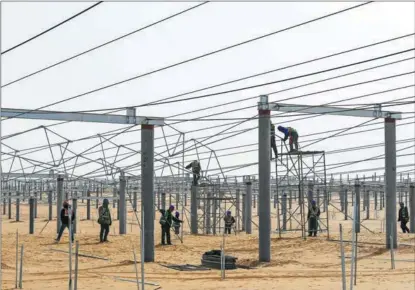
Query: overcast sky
[204, 29]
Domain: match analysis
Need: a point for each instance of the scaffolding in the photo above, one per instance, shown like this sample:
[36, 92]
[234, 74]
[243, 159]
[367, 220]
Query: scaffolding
[298, 173]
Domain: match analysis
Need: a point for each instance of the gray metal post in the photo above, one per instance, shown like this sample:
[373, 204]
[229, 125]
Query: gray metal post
[275, 201]
[290, 200]
[412, 208]
[147, 189]
[207, 212]
[310, 195]
[390, 184]
[214, 214]
[59, 200]
[163, 200]
[193, 209]
[177, 198]
[122, 204]
[88, 205]
[357, 203]
[248, 209]
[17, 206]
[31, 215]
[50, 215]
[264, 172]
[254, 201]
[341, 197]
[114, 195]
[367, 204]
[375, 193]
[243, 211]
[135, 200]
[346, 204]
[284, 212]
[97, 200]
[238, 209]
[35, 205]
[10, 206]
[75, 211]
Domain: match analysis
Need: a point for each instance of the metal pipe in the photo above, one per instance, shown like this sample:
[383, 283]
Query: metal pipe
[343, 262]
[75, 287]
[390, 184]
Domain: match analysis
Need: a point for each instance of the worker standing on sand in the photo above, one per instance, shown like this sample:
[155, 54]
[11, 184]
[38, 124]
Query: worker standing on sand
[66, 209]
[313, 215]
[403, 217]
[273, 143]
[195, 165]
[292, 134]
[104, 219]
[229, 221]
[166, 221]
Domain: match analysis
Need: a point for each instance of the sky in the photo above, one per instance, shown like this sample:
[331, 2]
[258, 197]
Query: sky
[207, 28]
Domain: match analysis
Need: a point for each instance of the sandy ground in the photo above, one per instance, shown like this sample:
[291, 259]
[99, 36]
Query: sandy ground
[296, 263]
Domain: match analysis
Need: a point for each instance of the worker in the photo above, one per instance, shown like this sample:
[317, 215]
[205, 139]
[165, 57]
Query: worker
[229, 221]
[273, 144]
[104, 219]
[195, 165]
[65, 222]
[176, 225]
[403, 217]
[313, 215]
[166, 221]
[292, 134]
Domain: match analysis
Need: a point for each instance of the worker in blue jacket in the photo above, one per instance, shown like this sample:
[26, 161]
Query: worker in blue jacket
[292, 134]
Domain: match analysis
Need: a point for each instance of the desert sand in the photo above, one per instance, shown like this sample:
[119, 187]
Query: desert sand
[296, 263]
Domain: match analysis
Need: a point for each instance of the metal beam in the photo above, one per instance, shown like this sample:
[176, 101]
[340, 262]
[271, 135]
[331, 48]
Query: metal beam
[328, 110]
[129, 118]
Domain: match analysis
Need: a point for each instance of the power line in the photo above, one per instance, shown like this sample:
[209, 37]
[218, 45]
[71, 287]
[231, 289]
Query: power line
[53, 27]
[196, 58]
[104, 44]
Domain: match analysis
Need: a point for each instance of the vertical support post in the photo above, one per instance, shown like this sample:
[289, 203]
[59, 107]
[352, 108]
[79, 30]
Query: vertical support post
[147, 189]
[10, 206]
[248, 209]
[376, 199]
[264, 172]
[390, 183]
[367, 193]
[346, 204]
[88, 205]
[114, 195]
[59, 201]
[284, 212]
[412, 208]
[17, 206]
[357, 207]
[50, 215]
[122, 205]
[135, 200]
[35, 205]
[75, 210]
[243, 211]
[31, 215]
[163, 200]
[238, 209]
[193, 209]
[207, 212]
[214, 212]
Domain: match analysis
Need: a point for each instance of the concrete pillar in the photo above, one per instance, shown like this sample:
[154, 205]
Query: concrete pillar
[284, 212]
[390, 184]
[243, 206]
[248, 209]
[357, 204]
[31, 215]
[163, 200]
[17, 206]
[193, 209]
[59, 201]
[264, 172]
[412, 208]
[75, 210]
[122, 204]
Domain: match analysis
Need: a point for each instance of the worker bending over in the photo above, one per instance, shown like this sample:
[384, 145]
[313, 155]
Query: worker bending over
[195, 165]
[273, 144]
[292, 133]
